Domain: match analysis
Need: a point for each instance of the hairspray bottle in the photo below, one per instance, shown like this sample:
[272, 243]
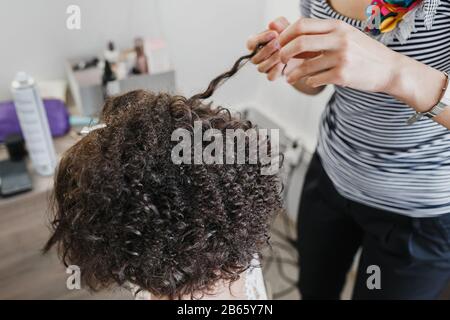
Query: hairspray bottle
[34, 124]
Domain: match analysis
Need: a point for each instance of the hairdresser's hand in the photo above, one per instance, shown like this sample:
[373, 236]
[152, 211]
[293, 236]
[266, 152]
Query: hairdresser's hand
[268, 58]
[344, 55]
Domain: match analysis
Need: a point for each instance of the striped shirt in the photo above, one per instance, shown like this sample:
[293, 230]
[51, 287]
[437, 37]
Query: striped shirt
[367, 149]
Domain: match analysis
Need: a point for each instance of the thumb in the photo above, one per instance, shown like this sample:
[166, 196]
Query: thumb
[279, 24]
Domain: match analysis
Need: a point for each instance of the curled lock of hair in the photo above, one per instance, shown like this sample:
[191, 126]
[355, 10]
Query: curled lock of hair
[219, 80]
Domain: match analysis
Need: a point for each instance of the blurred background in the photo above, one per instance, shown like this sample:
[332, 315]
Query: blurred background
[113, 47]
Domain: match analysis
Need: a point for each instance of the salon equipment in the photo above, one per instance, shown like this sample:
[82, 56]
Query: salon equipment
[111, 53]
[86, 64]
[53, 90]
[141, 62]
[87, 130]
[14, 178]
[110, 85]
[34, 124]
[56, 111]
[86, 86]
[158, 55]
[16, 147]
[80, 121]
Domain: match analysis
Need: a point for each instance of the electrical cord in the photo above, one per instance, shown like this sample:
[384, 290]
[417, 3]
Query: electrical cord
[286, 241]
[282, 293]
[290, 174]
[278, 248]
[280, 263]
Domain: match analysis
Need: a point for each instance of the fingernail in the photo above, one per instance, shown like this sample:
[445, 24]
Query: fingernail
[271, 36]
[277, 45]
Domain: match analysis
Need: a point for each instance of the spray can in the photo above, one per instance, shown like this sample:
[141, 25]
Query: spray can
[34, 124]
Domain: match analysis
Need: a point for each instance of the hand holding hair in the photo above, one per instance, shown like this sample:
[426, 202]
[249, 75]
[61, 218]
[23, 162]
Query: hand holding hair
[268, 59]
[345, 56]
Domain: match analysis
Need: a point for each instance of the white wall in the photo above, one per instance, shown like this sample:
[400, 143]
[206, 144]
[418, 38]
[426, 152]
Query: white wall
[35, 38]
[206, 37]
[299, 113]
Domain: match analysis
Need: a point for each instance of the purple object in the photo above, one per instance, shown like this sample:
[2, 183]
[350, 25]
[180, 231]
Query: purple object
[57, 115]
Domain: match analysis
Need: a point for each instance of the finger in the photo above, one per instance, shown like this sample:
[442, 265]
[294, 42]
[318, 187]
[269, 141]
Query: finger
[266, 51]
[266, 65]
[308, 55]
[331, 76]
[292, 65]
[279, 24]
[308, 43]
[307, 26]
[275, 72]
[311, 67]
[263, 37]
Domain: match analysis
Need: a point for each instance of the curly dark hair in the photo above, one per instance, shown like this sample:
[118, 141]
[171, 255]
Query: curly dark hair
[125, 213]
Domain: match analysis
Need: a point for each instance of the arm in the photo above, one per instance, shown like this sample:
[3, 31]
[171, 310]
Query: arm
[419, 86]
[348, 57]
[301, 86]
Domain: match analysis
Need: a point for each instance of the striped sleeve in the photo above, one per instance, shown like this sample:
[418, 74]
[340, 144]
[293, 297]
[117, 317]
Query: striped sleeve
[305, 8]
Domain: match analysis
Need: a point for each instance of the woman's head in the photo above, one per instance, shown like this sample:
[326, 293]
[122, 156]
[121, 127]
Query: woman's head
[125, 212]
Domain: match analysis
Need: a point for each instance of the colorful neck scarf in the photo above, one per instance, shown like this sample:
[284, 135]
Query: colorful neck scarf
[384, 15]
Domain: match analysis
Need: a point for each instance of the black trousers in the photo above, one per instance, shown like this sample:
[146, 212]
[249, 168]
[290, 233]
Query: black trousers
[401, 258]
